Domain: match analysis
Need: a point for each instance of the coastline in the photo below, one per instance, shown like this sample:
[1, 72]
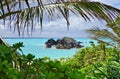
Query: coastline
[36, 46]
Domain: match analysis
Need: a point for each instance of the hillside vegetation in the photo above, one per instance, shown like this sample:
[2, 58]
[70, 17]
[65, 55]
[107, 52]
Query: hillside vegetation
[94, 62]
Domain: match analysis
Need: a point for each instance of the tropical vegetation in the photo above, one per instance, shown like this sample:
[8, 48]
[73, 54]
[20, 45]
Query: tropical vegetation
[94, 62]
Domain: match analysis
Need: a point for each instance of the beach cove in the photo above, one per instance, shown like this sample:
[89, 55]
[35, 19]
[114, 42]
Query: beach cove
[36, 46]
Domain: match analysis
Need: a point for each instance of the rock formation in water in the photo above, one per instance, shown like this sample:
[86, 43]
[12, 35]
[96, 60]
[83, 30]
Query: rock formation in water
[64, 43]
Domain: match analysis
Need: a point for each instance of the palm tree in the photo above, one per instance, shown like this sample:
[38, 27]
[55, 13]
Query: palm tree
[24, 13]
[112, 33]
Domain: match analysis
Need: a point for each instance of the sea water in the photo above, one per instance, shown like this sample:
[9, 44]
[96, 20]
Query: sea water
[36, 46]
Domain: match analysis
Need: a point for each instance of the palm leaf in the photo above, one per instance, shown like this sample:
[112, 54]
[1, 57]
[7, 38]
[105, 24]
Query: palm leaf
[85, 8]
[113, 34]
[115, 26]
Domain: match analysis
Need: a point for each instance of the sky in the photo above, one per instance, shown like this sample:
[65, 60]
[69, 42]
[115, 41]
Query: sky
[58, 28]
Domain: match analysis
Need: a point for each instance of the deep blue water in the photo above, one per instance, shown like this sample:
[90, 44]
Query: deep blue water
[36, 46]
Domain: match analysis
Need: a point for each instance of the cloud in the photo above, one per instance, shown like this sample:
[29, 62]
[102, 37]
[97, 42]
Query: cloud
[2, 27]
[58, 27]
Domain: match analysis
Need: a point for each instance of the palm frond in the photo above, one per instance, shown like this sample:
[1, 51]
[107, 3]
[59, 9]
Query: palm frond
[115, 26]
[101, 33]
[113, 34]
[26, 16]
[103, 41]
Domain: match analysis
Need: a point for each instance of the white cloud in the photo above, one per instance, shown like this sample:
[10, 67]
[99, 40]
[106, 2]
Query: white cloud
[2, 27]
[58, 27]
[77, 24]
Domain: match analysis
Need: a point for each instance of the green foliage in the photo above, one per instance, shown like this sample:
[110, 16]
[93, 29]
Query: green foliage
[94, 62]
[97, 62]
[110, 36]
[8, 57]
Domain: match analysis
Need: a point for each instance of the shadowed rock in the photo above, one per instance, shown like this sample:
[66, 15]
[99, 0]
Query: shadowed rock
[64, 43]
[50, 43]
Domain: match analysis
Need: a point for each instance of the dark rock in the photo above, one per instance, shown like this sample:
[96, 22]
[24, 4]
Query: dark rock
[50, 42]
[48, 45]
[68, 40]
[64, 43]
[59, 46]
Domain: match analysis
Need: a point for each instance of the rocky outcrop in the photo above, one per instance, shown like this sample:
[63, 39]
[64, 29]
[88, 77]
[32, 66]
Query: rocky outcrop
[50, 43]
[64, 43]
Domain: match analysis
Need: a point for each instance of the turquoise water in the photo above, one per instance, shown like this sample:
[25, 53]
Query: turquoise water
[36, 46]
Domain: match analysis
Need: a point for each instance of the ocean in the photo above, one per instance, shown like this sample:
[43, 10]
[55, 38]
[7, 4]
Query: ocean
[36, 46]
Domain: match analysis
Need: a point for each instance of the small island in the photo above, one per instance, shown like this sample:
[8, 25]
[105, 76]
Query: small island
[64, 43]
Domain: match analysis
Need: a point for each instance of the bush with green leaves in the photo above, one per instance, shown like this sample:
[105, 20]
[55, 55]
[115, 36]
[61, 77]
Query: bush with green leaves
[97, 62]
[94, 62]
[8, 61]
[16, 66]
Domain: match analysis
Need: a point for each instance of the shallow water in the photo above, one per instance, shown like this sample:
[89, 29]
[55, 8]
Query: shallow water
[36, 46]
